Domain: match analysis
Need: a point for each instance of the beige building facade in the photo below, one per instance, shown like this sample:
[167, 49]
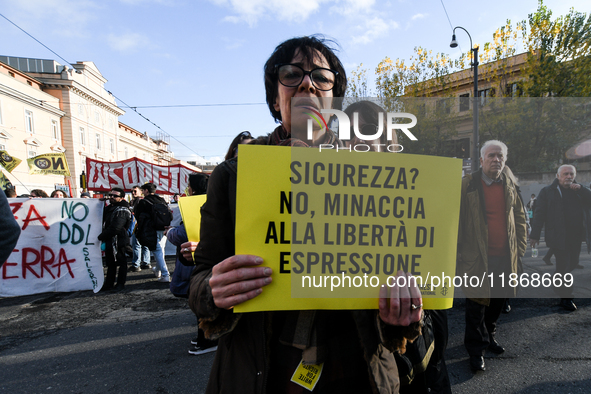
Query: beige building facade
[30, 124]
[86, 114]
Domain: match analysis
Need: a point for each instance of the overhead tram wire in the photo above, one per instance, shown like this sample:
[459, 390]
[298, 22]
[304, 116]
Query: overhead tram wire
[194, 105]
[449, 20]
[45, 46]
[133, 108]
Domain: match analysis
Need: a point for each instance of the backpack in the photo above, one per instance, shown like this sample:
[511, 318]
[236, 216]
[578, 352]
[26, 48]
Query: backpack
[132, 223]
[161, 216]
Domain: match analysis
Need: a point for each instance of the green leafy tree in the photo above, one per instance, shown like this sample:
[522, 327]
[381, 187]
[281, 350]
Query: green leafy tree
[556, 62]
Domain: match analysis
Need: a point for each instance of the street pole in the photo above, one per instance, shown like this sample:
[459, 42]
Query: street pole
[475, 136]
[475, 105]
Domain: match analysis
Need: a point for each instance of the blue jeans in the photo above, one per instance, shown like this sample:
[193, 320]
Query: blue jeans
[159, 255]
[137, 250]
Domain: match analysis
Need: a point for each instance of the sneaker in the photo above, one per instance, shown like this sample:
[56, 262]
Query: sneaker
[157, 272]
[197, 350]
[164, 279]
[133, 268]
[145, 266]
[195, 341]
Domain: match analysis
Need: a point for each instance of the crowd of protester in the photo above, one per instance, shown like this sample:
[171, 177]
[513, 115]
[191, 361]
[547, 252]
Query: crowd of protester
[397, 348]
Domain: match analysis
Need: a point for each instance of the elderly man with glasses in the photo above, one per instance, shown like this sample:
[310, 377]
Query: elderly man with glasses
[116, 220]
[141, 254]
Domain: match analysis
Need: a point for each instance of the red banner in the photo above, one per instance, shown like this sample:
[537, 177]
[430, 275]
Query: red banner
[104, 175]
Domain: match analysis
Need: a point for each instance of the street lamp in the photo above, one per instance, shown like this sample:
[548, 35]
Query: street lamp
[475, 138]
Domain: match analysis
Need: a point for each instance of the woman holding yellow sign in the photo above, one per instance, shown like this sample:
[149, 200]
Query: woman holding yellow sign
[291, 351]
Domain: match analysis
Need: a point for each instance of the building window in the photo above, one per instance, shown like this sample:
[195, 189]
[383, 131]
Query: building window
[125, 152]
[98, 141]
[457, 148]
[80, 109]
[97, 117]
[112, 145]
[135, 153]
[485, 95]
[55, 133]
[464, 102]
[82, 136]
[111, 123]
[144, 156]
[443, 106]
[2, 147]
[32, 153]
[513, 90]
[29, 121]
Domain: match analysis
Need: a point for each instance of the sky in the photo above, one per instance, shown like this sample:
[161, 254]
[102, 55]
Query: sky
[201, 61]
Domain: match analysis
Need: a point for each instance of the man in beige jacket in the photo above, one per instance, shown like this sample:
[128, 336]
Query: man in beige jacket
[491, 241]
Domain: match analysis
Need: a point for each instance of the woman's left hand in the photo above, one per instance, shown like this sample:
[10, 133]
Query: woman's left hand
[405, 304]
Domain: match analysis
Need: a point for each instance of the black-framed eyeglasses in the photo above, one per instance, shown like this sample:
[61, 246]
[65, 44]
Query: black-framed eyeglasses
[292, 75]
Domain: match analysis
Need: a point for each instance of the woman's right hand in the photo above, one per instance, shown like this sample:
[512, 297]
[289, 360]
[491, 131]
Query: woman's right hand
[238, 279]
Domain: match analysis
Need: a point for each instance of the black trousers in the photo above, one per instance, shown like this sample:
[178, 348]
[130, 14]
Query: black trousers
[566, 261]
[114, 261]
[481, 320]
[481, 324]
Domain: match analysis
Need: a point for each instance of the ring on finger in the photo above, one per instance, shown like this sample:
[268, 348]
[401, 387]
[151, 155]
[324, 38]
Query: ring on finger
[415, 307]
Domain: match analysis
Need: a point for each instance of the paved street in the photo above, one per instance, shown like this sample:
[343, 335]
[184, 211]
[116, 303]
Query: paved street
[136, 341]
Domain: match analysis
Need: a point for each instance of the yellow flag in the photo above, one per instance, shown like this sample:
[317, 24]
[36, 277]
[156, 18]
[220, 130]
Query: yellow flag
[336, 226]
[7, 161]
[4, 182]
[191, 213]
[49, 163]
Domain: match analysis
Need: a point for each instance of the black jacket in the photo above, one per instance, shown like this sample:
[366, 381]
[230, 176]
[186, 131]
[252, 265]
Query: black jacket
[146, 233]
[116, 220]
[549, 212]
[243, 357]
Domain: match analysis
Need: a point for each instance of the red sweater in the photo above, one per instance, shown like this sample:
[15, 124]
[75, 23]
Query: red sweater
[494, 202]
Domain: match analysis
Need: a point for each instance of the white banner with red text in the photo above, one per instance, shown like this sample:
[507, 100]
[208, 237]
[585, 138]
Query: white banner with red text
[58, 249]
[103, 175]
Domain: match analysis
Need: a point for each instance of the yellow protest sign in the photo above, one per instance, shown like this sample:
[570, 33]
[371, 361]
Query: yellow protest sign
[191, 213]
[49, 163]
[7, 161]
[334, 226]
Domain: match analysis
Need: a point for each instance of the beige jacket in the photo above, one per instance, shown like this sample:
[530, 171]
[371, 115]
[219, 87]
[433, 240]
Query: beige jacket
[473, 235]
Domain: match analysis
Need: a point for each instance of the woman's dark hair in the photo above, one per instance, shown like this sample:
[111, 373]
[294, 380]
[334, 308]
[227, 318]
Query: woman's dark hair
[39, 193]
[370, 112]
[53, 193]
[198, 183]
[285, 52]
[245, 135]
[262, 140]
[150, 187]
